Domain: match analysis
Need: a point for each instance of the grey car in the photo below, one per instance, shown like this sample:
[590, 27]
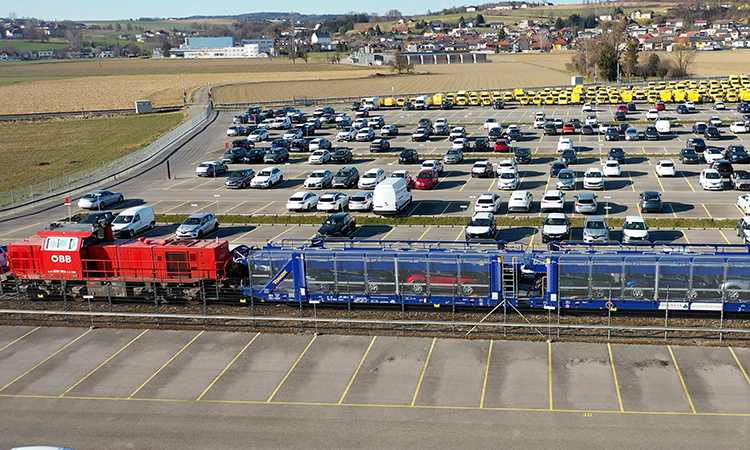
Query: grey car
[586, 203]
[566, 179]
[198, 225]
[595, 229]
[240, 179]
[346, 177]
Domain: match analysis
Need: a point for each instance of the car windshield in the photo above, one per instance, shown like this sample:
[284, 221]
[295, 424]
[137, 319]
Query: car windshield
[565, 176]
[595, 225]
[344, 173]
[555, 221]
[424, 175]
[688, 152]
[480, 165]
[317, 175]
[523, 152]
[334, 221]
[453, 151]
[586, 201]
[745, 225]
[594, 174]
[480, 223]
[742, 175]
[92, 218]
[370, 175]
[238, 174]
[265, 173]
[712, 175]
[192, 221]
[634, 226]
[123, 219]
[318, 153]
[508, 175]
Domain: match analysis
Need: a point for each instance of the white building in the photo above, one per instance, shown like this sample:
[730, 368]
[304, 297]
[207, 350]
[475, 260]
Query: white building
[246, 51]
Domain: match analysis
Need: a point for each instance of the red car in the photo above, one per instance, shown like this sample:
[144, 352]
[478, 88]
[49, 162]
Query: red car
[502, 145]
[426, 179]
[623, 108]
[660, 106]
[441, 283]
[569, 128]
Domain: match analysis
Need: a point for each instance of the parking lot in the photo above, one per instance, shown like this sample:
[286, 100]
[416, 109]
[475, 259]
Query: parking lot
[380, 371]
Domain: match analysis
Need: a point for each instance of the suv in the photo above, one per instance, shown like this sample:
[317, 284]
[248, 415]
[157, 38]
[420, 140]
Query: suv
[650, 201]
[454, 156]
[346, 177]
[556, 227]
[408, 156]
[234, 155]
[634, 229]
[689, 156]
[481, 226]
[276, 155]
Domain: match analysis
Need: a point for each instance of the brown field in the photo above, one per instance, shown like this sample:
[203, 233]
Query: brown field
[115, 84]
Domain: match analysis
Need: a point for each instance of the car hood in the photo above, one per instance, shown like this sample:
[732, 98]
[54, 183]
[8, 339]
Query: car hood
[594, 232]
[188, 228]
[555, 229]
[636, 233]
[478, 229]
[259, 178]
[330, 230]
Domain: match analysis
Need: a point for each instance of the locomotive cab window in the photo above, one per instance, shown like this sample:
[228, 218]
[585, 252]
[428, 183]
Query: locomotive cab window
[61, 243]
[177, 263]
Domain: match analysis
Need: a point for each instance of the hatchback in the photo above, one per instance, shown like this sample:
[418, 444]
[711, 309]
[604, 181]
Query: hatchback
[569, 157]
[520, 201]
[371, 178]
[361, 201]
[556, 227]
[522, 155]
[482, 169]
[595, 229]
[333, 201]
[566, 179]
[197, 225]
[302, 201]
[338, 225]
[631, 134]
[553, 200]
[710, 179]
[723, 166]
[556, 167]
[481, 226]
[634, 229]
[740, 180]
[489, 202]
[689, 156]
[507, 179]
[712, 133]
[211, 168]
[618, 154]
[586, 203]
[240, 179]
[612, 168]
[650, 201]
[665, 168]
[426, 179]
[319, 179]
[405, 174]
[502, 145]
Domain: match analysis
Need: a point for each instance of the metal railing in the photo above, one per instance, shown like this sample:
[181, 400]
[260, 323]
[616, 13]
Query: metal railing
[70, 183]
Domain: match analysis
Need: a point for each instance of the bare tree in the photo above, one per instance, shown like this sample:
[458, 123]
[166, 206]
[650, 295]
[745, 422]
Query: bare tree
[683, 57]
[400, 64]
[542, 37]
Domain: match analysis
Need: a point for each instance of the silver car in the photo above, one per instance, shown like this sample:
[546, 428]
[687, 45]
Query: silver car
[99, 199]
[566, 179]
[586, 203]
[595, 229]
[197, 226]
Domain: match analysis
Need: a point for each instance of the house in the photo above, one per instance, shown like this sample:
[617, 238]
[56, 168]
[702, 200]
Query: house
[701, 23]
[721, 24]
[471, 9]
[605, 17]
[400, 30]
[504, 6]
[639, 14]
[321, 37]
[497, 25]
[46, 53]
[8, 55]
[677, 23]
[560, 44]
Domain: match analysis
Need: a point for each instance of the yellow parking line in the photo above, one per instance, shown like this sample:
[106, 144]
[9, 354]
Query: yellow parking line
[165, 364]
[46, 359]
[632, 184]
[237, 239]
[172, 187]
[235, 206]
[460, 233]
[686, 181]
[103, 363]
[549, 374]
[659, 180]
[706, 209]
[18, 339]
[227, 367]
[174, 207]
[282, 233]
[424, 370]
[263, 207]
[486, 375]
[736, 205]
[614, 374]
[446, 208]
[19, 229]
[354, 375]
[291, 369]
[672, 209]
[724, 236]
[201, 185]
[742, 368]
[425, 232]
[682, 380]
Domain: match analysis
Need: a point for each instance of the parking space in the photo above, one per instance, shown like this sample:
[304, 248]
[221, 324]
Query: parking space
[157, 365]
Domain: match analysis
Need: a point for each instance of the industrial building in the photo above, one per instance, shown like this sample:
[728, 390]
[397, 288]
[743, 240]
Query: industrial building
[224, 47]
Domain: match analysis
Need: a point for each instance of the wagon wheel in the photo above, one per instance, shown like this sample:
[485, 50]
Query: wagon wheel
[733, 295]
[372, 287]
[691, 294]
[467, 288]
[326, 288]
[598, 293]
[638, 293]
[417, 287]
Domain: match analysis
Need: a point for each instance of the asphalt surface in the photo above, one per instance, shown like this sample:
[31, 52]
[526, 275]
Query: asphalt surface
[92, 389]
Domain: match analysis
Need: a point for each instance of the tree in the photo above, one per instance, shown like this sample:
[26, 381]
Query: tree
[393, 14]
[652, 64]
[683, 57]
[165, 48]
[559, 24]
[400, 65]
[630, 58]
[542, 37]
[501, 34]
[607, 63]
[461, 22]
[479, 20]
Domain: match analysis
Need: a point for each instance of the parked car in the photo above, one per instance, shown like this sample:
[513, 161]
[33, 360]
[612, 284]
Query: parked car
[406, 175]
[697, 143]
[556, 227]
[593, 178]
[333, 201]
[293, 134]
[211, 168]
[689, 156]
[665, 168]
[715, 121]
[341, 156]
[569, 157]
[319, 179]
[420, 135]
[566, 180]
[682, 109]
[276, 155]
[99, 199]
[595, 229]
[254, 155]
[234, 155]
[300, 145]
[389, 130]
[371, 178]
[346, 177]
[743, 202]
[482, 169]
[453, 156]
[98, 217]
[650, 201]
[338, 225]
[712, 154]
[522, 155]
[611, 134]
[743, 231]
[379, 145]
[319, 157]
[553, 200]
[712, 133]
[434, 164]
[738, 127]
[240, 179]
[481, 226]
[488, 202]
[426, 179]
[520, 201]
[507, 179]
[740, 180]
[197, 225]
[267, 178]
[322, 144]
[652, 114]
[634, 229]
[347, 134]
[245, 143]
[481, 144]
[587, 130]
[710, 179]
[723, 166]
[302, 201]
[361, 201]
[631, 134]
[618, 154]
[699, 127]
[457, 132]
[556, 167]
[612, 168]
[408, 156]
[585, 203]
[565, 144]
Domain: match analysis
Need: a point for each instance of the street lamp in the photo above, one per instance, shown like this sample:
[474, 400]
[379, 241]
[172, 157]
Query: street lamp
[98, 196]
[607, 208]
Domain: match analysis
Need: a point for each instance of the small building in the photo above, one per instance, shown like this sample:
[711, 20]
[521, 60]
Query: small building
[321, 38]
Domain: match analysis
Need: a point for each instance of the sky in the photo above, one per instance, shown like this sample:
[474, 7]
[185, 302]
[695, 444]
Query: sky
[132, 9]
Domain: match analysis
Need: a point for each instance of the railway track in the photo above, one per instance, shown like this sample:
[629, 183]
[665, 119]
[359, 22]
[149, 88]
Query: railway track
[102, 112]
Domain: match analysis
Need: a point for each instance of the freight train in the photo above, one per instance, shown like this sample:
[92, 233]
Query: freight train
[73, 261]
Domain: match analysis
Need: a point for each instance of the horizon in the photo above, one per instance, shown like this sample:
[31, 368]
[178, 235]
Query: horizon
[60, 10]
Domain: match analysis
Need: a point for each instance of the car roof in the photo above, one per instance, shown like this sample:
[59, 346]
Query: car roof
[483, 215]
[593, 169]
[338, 214]
[375, 170]
[595, 219]
[553, 192]
[521, 193]
[650, 192]
[487, 194]
[556, 215]
[634, 219]
[586, 195]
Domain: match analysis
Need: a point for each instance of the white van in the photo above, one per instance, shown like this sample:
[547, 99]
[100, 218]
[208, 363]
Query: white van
[663, 126]
[134, 220]
[391, 196]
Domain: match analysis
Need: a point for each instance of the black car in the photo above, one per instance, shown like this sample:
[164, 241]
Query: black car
[341, 156]
[618, 154]
[498, 104]
[355, 106]
[632, 107]
[682, 109]
[408, 156]
[587, 130]
[481, 144]
[276, 155]
[255, 155]
[240, 179]
[307, 129]
[244, 143]
[298, 118]
[281, 143]
[569, 156]
[651, 133]
[300, 145]
[650, 201]
[495, 133]
[556, 167]
[338, 225]
[697, 143]
[576, 122]
[712, 133]
[515, 134]
[408, 106]
[620, 116]
[736, 153]
[234, 155]
[379, 145]
[253, 110]
[723, 166]
[99, 218]
[447, 104]
[550, 129]
[611, 134]
[522, 155]
[740, 180]
[689, 156]
[346, 177]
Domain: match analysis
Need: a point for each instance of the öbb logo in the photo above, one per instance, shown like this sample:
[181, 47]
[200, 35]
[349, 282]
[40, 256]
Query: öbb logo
[61, 258]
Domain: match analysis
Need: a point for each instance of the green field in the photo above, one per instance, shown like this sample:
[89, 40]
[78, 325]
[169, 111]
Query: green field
[49, 149]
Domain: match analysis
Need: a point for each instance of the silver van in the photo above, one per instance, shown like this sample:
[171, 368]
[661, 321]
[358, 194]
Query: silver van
[134, 220]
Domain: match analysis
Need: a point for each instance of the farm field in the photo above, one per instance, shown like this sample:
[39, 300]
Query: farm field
[50, 149]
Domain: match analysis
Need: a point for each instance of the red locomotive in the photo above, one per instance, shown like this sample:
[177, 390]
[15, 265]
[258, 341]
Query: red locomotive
[73, 260]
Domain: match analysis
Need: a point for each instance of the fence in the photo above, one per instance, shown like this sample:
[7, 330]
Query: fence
[67, 184]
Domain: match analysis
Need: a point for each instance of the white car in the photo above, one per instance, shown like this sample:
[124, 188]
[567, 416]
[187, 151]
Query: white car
[743, 201]
[365, 134]
[302, 201]
[603, 127]
[710, 179]
[491, 122]
[333, 201]
[99, 199]
[434, 164]
[539, 115]
[258, 135]
[441, 122]
[652, 114]
[347, 134]
[319, 144]
[507, 179]
[592, 120]
[539, 122]
[488, 202]
[712, 154]
[715, 121]
[457, 132]
[666, 168]
[507, 164]
[634, 229]
[593, 178]
[319, 179]
[565, 144]
[319, 157]
[553, 200]
[359, 123]
[371, 178]
[631, 134]
[738, 127]
[293, 134]
[720, 106]
[481, 169]
[267, 178]
[612, 168]
[266, 123]
[690, 105]
[460, 143]
[361, 201]
[587, 107]
[520, 201]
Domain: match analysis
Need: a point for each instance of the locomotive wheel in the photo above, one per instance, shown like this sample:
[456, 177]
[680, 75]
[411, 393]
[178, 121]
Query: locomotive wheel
[733, 295]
